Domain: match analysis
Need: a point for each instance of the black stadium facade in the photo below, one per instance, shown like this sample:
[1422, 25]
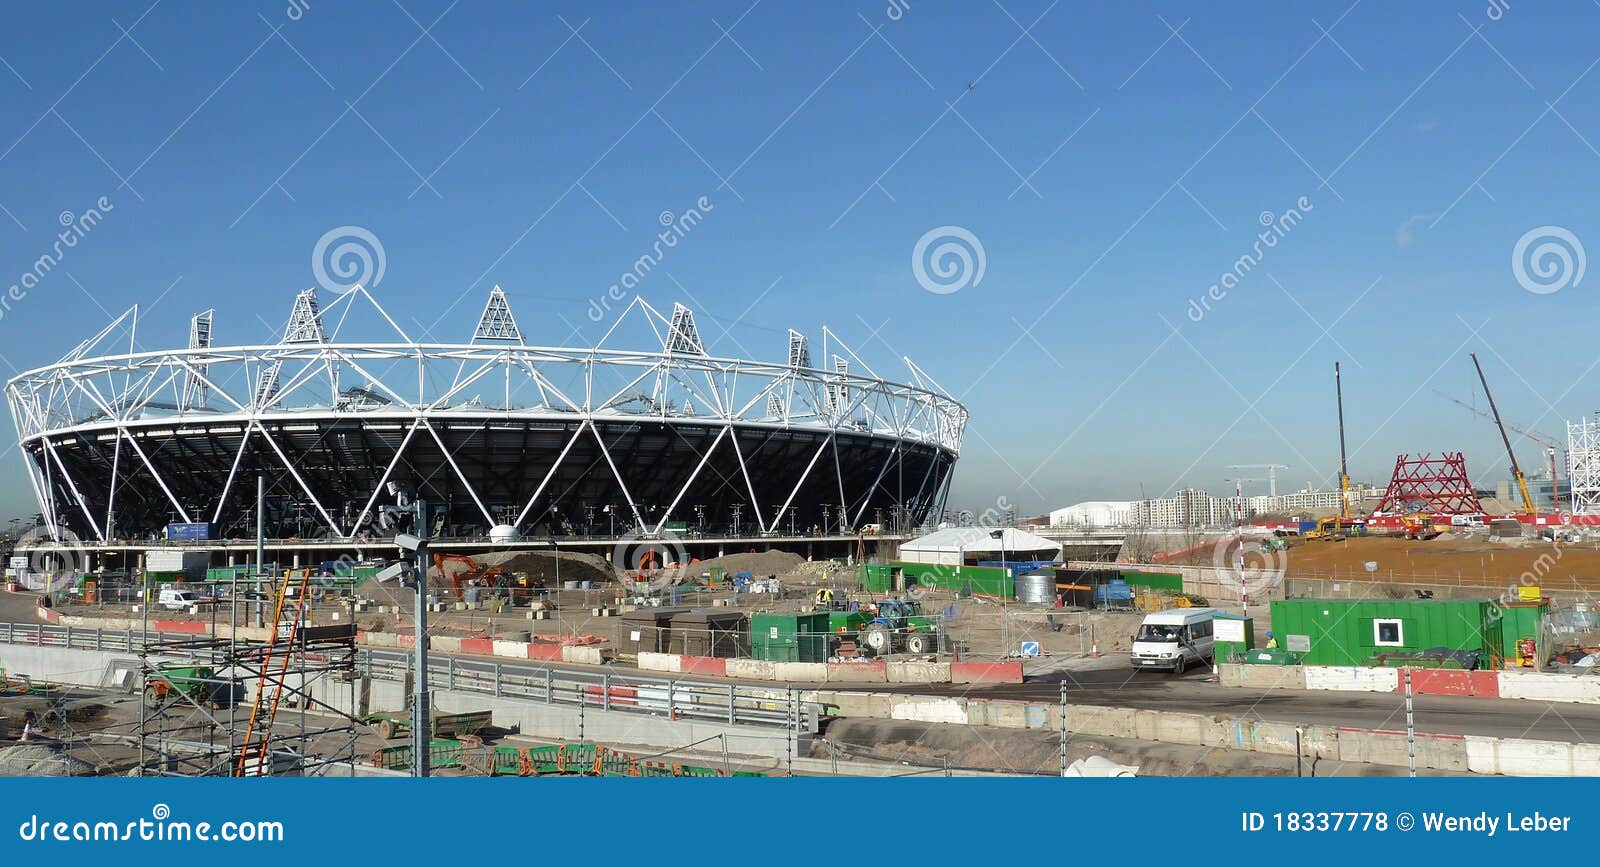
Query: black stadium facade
[495, 433]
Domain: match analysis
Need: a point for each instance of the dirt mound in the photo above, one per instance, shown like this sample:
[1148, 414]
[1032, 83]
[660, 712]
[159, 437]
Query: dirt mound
[41, 760]
[540, 566]
[757, 563]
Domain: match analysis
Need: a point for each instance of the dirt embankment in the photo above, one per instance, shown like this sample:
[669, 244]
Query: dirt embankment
[1451, 560]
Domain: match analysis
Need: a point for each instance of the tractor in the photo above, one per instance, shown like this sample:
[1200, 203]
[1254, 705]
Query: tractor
[899, 626]
[196, 683]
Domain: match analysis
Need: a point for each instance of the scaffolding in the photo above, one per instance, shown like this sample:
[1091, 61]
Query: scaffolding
[1583, 465]
[251, 702]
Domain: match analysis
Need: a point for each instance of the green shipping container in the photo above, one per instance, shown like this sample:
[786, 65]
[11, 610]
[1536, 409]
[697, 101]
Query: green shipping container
[1155, 581]
[1356, 632]
[790, 637]
[899, 576]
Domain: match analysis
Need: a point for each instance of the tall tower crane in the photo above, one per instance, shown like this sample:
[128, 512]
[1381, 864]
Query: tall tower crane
[1551, 447]
[1272, 474]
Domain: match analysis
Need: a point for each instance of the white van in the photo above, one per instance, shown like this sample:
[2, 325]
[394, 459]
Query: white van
[178, 600]
[1174, 639]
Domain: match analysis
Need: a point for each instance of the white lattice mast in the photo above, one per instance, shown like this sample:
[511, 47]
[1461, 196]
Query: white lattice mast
[305, 326]
[684, 336]
[497, 323]
[799, 350]
[838, 390]
[194, 384]
[1583, 465]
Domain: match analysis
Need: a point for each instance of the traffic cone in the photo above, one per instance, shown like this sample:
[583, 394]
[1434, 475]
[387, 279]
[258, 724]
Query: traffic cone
[1215, 677]
[1094, 651]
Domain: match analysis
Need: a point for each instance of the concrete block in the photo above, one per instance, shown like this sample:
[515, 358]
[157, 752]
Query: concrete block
[669, 662]
[1020, 714]
[1114, 722]
[545, 651]
[1438, 752]
[445, 643]
[1270, 676]
[480, 646]
[858, 672]
[511, 649]
[1351, 678]
[1516, 757]
[985, 672]
[1549, 686]
[1425, 681]
[869, 705]
[918, 672]
[588, 655]
[380, 639]
[802, 672]
[752, 669]
[1171, 728]
[932, 709]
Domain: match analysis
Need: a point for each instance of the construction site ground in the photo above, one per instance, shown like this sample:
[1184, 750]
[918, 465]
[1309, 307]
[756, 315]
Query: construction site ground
[1451, 560]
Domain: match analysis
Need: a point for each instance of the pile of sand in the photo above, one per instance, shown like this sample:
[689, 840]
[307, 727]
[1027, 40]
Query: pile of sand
[540, 566]
[758, 563]
[41, 760]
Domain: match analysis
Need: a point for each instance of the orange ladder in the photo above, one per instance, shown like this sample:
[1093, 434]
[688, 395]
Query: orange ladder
[257, 733]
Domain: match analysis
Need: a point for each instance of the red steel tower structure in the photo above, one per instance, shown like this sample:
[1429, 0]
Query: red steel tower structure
[1435, 485]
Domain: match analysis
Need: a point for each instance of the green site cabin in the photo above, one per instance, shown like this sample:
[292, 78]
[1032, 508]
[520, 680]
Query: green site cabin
[1360, 632]
[899, 576]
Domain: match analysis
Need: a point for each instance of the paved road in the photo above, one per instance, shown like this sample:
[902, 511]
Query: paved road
[1119, 686]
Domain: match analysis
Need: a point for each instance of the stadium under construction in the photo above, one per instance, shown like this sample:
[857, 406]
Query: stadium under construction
[644, 434]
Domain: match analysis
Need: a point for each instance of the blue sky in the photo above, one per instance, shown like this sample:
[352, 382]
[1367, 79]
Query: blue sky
[1113, 160]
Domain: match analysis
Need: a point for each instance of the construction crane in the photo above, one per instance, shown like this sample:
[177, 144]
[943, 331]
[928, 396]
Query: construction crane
[1272, 474]
[1516, 471]
[1551, 447]
[1333, 527]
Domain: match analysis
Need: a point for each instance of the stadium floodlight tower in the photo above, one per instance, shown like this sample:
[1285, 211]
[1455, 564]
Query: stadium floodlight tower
[491, 431]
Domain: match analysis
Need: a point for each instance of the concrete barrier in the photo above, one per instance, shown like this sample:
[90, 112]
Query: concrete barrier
[670, 662]
[511, 649]
[1019, 714]
[1351, 678]
[480, 646]
[587, 655]
[186, 627]
[1549, 686]
[858, 672]
[1172, 728]
[445, 643]
[918, 672]
[545, 651]
[1515, 757]
[1113, 722]
[930, 709]
[985, 672]
[801, 672]
[753, 669]
[1425, 681]
[867, 705]
[378, 639]
[1263, 676]
[48, 615]
[1438, 752]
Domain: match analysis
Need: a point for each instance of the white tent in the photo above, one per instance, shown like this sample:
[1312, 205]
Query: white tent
[957, 545]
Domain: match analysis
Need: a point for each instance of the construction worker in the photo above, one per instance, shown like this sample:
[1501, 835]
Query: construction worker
[1272, 643]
